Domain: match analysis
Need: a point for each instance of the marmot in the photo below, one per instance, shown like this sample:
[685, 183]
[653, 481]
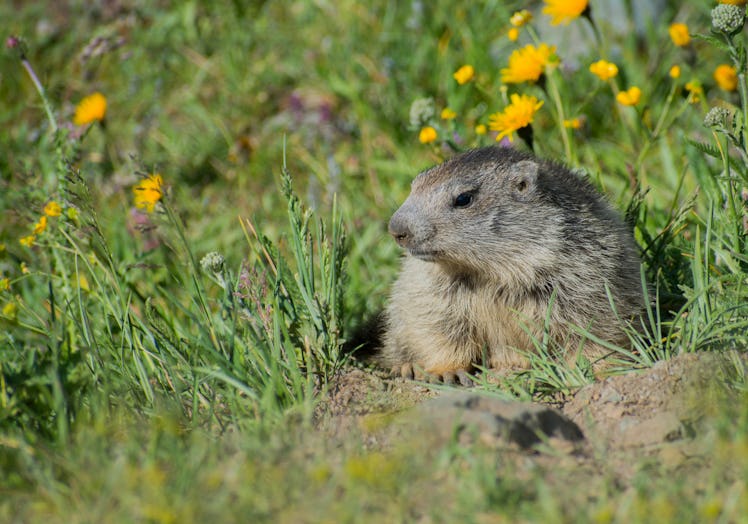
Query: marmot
[498, 243]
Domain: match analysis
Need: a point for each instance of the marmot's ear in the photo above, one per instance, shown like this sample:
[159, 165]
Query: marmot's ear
[523, 179]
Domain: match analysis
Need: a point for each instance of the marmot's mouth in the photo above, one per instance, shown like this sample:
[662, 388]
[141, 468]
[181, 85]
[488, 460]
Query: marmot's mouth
[426, 256]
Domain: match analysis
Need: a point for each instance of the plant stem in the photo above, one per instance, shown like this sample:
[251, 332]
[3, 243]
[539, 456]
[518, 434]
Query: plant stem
[40, 89]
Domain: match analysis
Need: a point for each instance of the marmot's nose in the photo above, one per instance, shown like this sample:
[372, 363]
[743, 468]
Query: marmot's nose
[399, 230]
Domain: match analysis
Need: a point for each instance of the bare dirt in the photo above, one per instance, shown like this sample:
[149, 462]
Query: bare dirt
[661, 414]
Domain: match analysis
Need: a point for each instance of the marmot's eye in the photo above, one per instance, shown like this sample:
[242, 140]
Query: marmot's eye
[463, 200]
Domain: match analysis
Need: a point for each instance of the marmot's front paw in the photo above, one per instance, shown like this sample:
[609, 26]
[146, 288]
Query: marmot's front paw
[457, 376]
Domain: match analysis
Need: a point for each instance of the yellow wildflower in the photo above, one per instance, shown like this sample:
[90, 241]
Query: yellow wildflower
[679, 34]
[513, 34]
[4, 284]
[564, 11]
[27, 241]
[515, 116]
[52, 209]
[520, 18]
[464, 74]
[733, 2]
[726, 77]
[573, 123]
[91, 109]
[10, 311]
[148, 192]
[40, 226]
[448, 114]
[604, 70]
[427, 135]
[695, 91]
[629, 97]
[481, 129]
[674, 71]
[528, 63]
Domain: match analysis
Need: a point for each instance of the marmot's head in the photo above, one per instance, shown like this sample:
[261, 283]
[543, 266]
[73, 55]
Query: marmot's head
[493, 212]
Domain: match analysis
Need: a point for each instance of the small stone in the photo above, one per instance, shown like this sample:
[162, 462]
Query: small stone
[493, 420]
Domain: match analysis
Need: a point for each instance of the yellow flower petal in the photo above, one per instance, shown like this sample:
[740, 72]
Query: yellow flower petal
[91, 109]
[52, 209]
[674, 71]
[27, 241]
[604, 70]
[726, 77]
[513, 34]
[679, 34]
[481, 129]
[448, 114]
[564, 11]
[520, 18]
[148, 192]
[518, 114]
[528, 63]
[464, 74]
[40, 226]
[629, 97]
[427, 135]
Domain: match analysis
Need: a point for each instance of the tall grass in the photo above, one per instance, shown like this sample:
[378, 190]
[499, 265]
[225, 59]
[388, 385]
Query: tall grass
[285, 135]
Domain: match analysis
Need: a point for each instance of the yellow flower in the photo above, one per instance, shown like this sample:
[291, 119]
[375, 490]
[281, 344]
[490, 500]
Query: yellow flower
[427, 135]
[564, 11]
[27, 241]
[91, 109]
[25, 269]
[464, 74]
[448, 114]
[513, 34]
[4, 284]
[726, 77]
[52, 209]
[695, 91]
[148, 192]
[480, 129]
[573, 123]
[528, 63]
[630, 97]
[604, 70]
[515, 116]
[674, 71]
[733, 2]
[10, 311]
[40, 226]
[520, 18]
[679, 34]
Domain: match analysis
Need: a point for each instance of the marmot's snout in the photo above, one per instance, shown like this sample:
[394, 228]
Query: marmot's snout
[400, 230]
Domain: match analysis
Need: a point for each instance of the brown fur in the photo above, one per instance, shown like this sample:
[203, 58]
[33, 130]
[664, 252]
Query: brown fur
[477, 277]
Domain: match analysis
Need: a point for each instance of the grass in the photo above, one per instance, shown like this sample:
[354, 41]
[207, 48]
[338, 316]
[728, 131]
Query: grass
[163, 365]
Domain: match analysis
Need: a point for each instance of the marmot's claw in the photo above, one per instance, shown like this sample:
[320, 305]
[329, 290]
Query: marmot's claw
[404, 371]
[449, 377]
[465, 378]
[459, 376]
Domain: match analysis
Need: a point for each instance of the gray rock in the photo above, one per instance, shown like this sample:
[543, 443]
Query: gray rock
[493, 420]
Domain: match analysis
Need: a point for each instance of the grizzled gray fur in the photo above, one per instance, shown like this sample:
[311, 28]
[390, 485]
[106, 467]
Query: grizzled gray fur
[496, 240]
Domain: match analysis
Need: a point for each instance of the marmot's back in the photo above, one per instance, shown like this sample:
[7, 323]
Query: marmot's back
[493, 236]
